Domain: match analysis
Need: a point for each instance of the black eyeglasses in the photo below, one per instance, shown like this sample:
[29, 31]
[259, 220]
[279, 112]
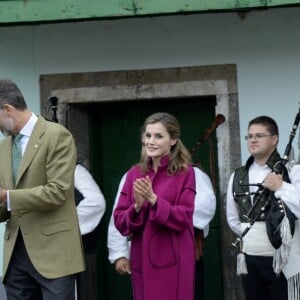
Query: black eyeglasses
[257, 136]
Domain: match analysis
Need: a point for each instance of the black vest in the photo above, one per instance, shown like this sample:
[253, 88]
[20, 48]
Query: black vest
[274, 212]
[89, 240]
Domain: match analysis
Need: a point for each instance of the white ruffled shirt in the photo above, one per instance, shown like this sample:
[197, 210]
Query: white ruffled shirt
[91, 208]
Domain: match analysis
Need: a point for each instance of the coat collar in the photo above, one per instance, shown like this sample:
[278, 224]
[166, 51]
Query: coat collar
[164, 162]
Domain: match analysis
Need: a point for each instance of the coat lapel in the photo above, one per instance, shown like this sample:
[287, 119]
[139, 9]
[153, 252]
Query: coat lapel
[33, 146]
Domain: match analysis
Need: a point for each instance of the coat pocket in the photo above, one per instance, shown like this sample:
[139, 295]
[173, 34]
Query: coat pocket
[57, 227]
[163, 250]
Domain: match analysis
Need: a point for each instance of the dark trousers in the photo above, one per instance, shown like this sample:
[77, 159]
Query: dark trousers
[261, 283]
[86, 282]
[199, 280]
[23, 282]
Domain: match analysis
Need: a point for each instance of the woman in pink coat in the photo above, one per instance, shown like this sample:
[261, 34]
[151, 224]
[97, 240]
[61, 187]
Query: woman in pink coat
[156, 208]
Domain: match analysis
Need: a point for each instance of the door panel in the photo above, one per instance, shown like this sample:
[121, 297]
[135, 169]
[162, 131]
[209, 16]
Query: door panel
[114, 132]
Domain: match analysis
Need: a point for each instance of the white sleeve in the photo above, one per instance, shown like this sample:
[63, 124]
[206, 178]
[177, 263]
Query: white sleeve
[232, 213]
[205, 201]
[92, 207]
[117, 244]
[290, 192]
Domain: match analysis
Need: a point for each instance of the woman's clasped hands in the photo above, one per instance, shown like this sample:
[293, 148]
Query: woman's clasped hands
[143, 192]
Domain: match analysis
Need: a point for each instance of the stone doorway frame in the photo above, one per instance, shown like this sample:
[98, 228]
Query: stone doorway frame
[217, 80]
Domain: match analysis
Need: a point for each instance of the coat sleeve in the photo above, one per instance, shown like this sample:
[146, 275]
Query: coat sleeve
[127, 220]
[179, 216]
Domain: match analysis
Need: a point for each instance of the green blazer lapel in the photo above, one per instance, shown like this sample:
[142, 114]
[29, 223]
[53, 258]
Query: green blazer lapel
[32, 147]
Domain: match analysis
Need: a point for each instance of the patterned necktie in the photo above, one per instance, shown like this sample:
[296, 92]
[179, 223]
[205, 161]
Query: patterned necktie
[16, 155]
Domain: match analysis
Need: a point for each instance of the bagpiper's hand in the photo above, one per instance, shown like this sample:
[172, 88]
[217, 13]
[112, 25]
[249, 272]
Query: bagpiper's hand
[273, 182]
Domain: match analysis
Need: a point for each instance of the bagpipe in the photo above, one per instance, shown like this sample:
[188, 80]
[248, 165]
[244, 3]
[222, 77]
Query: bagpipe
[218, 120]
[53, 107]
[280, 221]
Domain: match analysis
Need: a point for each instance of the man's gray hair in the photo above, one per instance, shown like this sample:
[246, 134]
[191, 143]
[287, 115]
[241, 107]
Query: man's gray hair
[10, 94]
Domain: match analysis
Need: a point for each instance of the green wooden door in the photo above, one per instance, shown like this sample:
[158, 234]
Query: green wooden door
[114, 130]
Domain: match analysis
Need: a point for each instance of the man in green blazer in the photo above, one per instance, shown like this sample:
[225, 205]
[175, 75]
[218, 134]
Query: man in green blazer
[42, 243]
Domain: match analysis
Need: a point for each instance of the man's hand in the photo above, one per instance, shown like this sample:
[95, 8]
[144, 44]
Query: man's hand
[3, 196]
[122, 266]
[273, 182]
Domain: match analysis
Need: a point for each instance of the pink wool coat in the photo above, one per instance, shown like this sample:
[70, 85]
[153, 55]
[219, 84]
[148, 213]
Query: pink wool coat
[162, 247]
